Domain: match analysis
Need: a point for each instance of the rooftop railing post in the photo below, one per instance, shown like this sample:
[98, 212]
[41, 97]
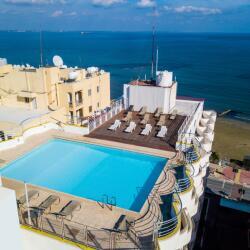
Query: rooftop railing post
[86, 234]
[27, 201]
[62, 233]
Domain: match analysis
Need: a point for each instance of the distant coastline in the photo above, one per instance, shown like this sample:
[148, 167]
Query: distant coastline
[235, 116]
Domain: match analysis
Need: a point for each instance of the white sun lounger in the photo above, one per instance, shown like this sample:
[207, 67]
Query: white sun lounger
[115, 125]
[163, 131]
[146, 130]
[130, 128]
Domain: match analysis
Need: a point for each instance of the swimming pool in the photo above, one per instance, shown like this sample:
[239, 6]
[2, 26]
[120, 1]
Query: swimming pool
[89, 171]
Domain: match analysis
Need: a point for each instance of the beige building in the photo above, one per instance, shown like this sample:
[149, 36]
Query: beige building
[78, 92]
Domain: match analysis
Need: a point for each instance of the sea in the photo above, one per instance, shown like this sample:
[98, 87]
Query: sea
[213, 66]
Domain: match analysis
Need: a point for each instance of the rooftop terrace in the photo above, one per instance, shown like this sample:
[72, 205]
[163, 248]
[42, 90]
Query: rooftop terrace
[135, 138]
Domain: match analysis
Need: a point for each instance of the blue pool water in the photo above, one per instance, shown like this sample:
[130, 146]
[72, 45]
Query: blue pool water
[89, 171]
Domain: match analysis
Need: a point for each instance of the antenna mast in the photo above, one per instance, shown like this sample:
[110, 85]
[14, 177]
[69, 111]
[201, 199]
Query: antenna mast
[156, 61]
[41, 49]
[153, 53]
[153, 44]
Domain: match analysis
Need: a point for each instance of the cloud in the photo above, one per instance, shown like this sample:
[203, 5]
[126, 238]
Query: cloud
[34, 2]
[106, 3]
[194, 9]
[57, 13]
[146, 3]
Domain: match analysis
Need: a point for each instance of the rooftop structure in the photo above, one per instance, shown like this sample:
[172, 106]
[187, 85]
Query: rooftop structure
[148, 120]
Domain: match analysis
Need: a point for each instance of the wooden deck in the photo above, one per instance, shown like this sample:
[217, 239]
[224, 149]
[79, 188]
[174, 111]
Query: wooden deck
[135, 138]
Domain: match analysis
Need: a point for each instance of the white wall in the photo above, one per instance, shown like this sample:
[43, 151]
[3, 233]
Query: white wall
[10, 233]
[35, 241]
[76, 130]
[152, 96]
[32, 131]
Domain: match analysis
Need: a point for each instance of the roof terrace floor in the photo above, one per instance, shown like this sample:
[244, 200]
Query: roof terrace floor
[135, 138]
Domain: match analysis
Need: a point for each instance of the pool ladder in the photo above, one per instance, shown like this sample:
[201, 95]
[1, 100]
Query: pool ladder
[107, 201]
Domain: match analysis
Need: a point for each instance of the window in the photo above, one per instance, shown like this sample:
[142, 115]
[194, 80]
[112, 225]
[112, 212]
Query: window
[69, 96]
[26, 99]
[89, 92]
[97, 89]
[90, 109]
[98, 105]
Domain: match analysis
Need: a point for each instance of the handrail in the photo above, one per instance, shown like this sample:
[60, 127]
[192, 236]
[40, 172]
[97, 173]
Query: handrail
[168, 226]
[187, 122]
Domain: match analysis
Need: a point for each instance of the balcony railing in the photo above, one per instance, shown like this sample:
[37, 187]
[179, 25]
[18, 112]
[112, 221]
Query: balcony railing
[171, 225]
[105, 115]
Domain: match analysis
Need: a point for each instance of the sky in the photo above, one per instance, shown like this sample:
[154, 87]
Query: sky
[126, 15]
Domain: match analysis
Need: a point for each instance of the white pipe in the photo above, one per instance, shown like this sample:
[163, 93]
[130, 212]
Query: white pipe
[27, 201]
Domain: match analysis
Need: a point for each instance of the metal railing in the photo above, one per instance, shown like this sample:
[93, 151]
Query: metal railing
[184, 127]
[105, 115]
[63, 227]
[168, 226]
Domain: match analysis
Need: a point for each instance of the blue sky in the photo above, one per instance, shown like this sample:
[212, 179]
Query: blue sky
[127, 15]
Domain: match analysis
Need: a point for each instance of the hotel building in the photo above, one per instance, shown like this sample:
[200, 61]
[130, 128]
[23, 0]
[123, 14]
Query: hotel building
[131, 178]
[79, 91]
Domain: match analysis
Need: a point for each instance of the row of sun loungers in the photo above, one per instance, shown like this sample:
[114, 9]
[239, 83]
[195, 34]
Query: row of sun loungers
[46, 204]
[143, 111]
[146, 131]
[145, 121]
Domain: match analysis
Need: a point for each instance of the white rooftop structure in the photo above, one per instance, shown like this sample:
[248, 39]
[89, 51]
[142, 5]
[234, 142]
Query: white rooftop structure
[19, 115]
[151, 94]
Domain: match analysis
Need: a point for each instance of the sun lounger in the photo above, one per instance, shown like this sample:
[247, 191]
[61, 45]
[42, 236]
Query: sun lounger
[147, 130]
[131, 108]
[145, 119]
[163, 131]
[47, 203]
[128, 117]
[143, 111]
[158, 112]
[115, 125]
[31, 194]
[161, 121]
[130, 128]
[173, 115]
[69, 208]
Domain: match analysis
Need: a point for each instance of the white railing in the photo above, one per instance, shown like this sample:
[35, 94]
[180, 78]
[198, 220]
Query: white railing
[170, 225]
[184, 127]
[97, 120]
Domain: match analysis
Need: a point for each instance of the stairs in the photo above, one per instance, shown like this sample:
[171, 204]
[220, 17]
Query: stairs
[168, 184]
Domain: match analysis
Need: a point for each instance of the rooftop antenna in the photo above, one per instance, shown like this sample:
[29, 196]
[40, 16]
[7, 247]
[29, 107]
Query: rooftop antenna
[153, 45]
[156, 62]
[153, 53]
[41, 49]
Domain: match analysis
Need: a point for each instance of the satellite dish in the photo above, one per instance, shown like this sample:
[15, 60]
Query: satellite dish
[73, 75]
[58, 61]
